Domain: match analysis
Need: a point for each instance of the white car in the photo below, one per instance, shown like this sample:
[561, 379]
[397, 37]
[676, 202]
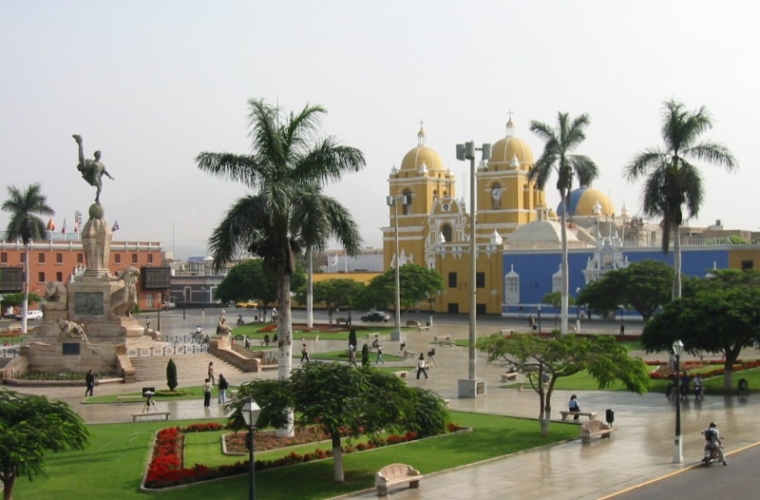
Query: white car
[30, 315]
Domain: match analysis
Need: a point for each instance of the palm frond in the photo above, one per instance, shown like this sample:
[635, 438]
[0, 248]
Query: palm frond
[713, 153]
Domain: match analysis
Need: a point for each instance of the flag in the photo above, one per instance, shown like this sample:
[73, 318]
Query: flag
[115, 226]
[335, 261]
[63, 229]
[77, 220]
[51, 225]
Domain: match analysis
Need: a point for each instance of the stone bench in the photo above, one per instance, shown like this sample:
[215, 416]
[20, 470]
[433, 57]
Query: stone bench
[341, 320]
[130, 399]
[166, 414]
[394, 475]
[594, 428]
[413, 323]
[373, 336]
[401, 373]
[590, 414]
[509, 377]
[442, 338]
[507, 332]
[410, 354]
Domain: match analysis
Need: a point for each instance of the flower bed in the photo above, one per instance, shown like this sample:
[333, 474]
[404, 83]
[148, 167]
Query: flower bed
[166, 467]
[302, 328]
[662, 372]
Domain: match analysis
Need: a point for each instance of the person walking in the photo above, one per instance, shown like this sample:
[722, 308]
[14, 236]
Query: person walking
[305, 354]
[247, 344]
[352, 355]
[421, 366]
[622, 328]
[90, 381]
[211, 372]
[379, 355]
[223, 385]
[207, 386]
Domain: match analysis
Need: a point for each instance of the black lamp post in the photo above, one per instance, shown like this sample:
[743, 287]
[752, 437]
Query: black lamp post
[678, 451]
[539, 318]
[251, 414]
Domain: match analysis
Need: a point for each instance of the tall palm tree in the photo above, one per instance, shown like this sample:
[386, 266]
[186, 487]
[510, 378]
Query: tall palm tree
[558, 143]
[24, 207]
[673, 180]
[288, 163]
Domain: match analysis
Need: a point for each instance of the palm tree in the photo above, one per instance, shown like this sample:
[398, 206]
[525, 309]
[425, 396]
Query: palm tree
[672, 179]
[24, 206]
[558, 143]
[287, 165]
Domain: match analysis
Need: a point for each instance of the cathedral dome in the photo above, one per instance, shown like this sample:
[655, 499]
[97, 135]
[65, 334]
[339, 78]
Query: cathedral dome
[421, 155]
[511, 151]
[581, 202]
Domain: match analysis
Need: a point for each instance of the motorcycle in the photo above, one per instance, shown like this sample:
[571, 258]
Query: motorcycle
[711, 454]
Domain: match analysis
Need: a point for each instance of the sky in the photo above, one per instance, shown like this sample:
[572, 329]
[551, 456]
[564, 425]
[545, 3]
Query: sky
[153, 84]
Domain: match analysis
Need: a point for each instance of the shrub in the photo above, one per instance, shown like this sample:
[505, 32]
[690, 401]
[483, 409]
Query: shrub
[171, 375]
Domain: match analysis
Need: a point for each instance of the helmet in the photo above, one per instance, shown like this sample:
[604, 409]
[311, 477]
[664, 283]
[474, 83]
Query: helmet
[712, 424]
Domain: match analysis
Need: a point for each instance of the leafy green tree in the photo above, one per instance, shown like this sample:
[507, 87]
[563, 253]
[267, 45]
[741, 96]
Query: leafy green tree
[554, 299]
[672, 180]
[290, 159]
[25, 207]
[544, 360]
[717, 315]
[17, 299]
[644, 285]
[171, 375]
[417, 284]
[558, 144]
[30, 428]
[251, 280]
[334, 294]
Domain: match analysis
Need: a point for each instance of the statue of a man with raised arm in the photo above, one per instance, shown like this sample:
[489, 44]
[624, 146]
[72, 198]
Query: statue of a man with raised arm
[92, 170]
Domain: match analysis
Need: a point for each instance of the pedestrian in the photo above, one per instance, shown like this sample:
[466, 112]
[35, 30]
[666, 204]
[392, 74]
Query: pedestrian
[207, 393]
[348, 321]
[266, 339]
[247, 344]
[305, 354]
[211, 372]
[90, 380]
[274, 314]
[148, 323]
[352, 355]
[421, 366]
[379, 355]
[573, 406]
[622, 327]
[223, 385]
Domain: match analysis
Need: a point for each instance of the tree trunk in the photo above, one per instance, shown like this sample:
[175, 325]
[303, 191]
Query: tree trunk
[310, 289]
[337, 458]
[8, 486]
[677, 263]
[285, 337]
[25, 304]
[565, 280]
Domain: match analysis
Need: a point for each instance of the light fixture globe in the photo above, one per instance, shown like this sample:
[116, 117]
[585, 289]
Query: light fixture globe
[251, 413]
[677, 348]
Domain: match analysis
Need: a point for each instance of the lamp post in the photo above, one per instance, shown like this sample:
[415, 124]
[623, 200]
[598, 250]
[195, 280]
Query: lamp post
[393, 201]
[539, 318]
[468, 388]
[577, 311]
[251, 414]
[678, 451]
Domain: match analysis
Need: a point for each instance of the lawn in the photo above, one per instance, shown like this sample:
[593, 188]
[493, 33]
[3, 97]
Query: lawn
[342, 355]
[112, 465]
[253, 331]
[195, 392]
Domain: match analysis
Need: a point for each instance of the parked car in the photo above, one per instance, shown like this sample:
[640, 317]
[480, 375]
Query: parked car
[169, 305]
[376, 316]
[30, 315]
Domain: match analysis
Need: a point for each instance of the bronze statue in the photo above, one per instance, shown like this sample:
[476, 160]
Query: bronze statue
[92, 170]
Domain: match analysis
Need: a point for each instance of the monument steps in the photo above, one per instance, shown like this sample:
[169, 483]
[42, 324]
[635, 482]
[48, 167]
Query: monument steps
[190, 367]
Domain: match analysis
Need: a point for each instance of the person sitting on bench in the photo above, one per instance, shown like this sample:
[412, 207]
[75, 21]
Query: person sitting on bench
[574, 406]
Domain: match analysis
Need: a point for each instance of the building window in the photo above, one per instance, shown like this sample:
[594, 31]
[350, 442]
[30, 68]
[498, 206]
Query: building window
[134, 258]
[150, 258]
[117, 258]
[512, 289]
[59, 276]
[446, 232]
[80, 258]
[149, 300]
[41, 277]
[4, 258]
[452, 280]
[747, 265]
[41, 258]
[480, 280]
[407, 202]
[59, 258]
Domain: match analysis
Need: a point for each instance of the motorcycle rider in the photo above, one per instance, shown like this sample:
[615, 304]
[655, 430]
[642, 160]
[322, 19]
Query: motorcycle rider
[712, 436]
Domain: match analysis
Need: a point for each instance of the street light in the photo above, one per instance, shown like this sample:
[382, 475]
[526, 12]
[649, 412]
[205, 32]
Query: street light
[251, 414]
[577, 311]
[393, 201]
[539, 318]
[678, 451]
[469, 388]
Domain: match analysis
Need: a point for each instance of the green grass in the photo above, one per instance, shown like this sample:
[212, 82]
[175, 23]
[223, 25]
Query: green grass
[253, 331]
[342, 355]
[112, 465]
[196, 392]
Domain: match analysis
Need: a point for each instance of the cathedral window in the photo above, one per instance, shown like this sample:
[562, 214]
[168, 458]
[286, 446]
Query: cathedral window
[446, 232]
[512, 287]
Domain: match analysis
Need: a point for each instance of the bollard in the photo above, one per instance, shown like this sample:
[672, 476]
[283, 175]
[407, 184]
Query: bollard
[610, 416]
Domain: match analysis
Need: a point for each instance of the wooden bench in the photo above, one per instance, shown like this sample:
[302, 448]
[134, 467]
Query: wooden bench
[338, 321]
[509, 377]
[130, 399]
[594, 428]
[166, 414]
[394, 475]
[590, 414]
[442, 338]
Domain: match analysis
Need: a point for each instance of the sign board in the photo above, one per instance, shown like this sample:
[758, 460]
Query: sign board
[156, 278]
[11, 279]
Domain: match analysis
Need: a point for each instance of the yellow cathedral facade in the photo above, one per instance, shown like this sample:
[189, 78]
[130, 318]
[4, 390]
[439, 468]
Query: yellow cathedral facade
[433, 226]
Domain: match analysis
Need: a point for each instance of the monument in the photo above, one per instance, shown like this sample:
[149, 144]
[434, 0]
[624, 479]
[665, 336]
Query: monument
[88, 323]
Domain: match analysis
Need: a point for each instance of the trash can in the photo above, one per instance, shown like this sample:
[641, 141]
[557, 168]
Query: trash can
[743, 385]
[609, 415]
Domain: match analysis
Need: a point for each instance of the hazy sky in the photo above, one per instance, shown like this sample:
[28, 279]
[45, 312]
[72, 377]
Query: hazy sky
[153, 83]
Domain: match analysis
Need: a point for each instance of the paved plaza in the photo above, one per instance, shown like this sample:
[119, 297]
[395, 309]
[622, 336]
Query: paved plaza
[641, 448]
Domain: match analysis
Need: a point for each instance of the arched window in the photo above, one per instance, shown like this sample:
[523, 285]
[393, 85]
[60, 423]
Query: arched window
[512, 287]
[446, 232]
[407, 203]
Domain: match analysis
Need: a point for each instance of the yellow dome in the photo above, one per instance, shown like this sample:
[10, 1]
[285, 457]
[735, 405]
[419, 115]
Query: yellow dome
[420, 155]
[582, 201]
[506, 149]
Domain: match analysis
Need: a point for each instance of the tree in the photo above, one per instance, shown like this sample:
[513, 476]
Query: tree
[717, 315]
[171, 375]
[352, 341]
[644, 285]
[672, 179]
[344, 401]
[417, 284]
[544, 360]
[554, 299]
[288, 162]
[556, 156]
[334, 294]
[251, 280]
[17, 299]
[24, 207]
[30, 427]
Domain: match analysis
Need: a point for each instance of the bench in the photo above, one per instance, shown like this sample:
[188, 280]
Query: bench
[130, 399]
[442, 338]
[414, 323]
[507, 332]
[394, 475]
[509, 377]
[594, 428]
[590, 414]
[410, 354]
[401, 373]
[338, 321]
[373, 336]
[166, 414]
